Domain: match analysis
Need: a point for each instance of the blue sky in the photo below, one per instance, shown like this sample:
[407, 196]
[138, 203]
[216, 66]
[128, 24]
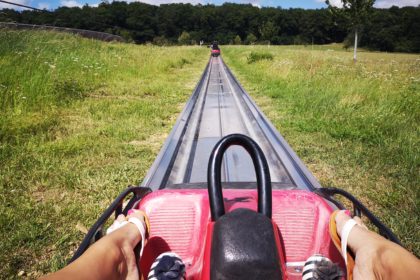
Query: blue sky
[307, 4]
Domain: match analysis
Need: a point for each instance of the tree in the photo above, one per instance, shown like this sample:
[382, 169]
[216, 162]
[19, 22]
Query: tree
[356, 12]
[160, 41]
[393, 29]
[250, 39]
[268, 30]
[237, 40]
[184, 38]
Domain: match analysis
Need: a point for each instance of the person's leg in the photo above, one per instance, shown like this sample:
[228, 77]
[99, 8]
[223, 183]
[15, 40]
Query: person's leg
[112, 257]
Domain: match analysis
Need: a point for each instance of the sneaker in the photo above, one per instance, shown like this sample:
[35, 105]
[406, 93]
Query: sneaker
[318, 267]
[167, 266]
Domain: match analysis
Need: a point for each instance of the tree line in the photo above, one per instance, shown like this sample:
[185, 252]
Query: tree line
[393, 29]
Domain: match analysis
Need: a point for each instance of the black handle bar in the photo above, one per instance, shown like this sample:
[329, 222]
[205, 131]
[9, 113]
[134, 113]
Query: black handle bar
[358, 209]
[261, 170]
[95, 232]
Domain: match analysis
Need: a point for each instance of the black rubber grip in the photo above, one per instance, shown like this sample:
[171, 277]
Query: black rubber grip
[261, 170]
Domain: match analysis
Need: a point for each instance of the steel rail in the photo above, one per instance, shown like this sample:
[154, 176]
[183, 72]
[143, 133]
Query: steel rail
[277, 140]
[217, 107]
[159, 171]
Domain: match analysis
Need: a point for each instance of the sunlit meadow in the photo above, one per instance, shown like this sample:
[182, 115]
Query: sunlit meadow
[356, 126]
[79, 121]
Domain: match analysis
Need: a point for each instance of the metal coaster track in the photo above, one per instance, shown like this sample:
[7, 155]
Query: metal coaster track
[219, 106]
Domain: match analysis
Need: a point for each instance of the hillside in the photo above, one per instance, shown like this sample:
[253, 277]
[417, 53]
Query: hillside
[79, 121]
[356, 126]
[82, 119]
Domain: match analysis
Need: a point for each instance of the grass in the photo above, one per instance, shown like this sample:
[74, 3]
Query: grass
[82, 119]
[79, 121]
[258, 56]
[356, 126]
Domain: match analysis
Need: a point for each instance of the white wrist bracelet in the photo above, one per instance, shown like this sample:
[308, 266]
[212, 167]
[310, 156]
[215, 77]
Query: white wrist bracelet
[116, 225]
[345, 232]
[142, 230]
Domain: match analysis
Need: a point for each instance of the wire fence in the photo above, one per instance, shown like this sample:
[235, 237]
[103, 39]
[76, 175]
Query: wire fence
[84, 33]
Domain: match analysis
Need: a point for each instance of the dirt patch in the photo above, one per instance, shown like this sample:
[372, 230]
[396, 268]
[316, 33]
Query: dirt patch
[155, 141]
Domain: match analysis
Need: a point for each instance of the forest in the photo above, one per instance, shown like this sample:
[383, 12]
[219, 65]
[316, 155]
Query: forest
[394, 29]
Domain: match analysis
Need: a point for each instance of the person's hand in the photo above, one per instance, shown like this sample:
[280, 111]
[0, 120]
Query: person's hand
[365, 245]
[375, 256]
[127, 237]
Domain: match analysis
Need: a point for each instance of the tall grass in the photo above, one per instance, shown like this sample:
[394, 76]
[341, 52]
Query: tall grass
[355, 125]
[258, 56]
[79, 121]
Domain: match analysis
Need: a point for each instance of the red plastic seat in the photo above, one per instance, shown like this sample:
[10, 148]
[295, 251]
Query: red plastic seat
[179, 220]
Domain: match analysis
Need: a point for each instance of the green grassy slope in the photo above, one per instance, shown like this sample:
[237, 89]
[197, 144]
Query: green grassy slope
[82, 119]
[355, 126]
[79, 121]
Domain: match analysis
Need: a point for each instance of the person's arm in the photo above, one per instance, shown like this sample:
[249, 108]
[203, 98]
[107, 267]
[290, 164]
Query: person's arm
[112, 257]
[377, 257]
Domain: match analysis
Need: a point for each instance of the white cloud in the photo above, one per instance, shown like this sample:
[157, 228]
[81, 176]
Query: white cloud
[335, 3]
[43, 5]
[70, 3]
[399, 3]
[8, 6]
